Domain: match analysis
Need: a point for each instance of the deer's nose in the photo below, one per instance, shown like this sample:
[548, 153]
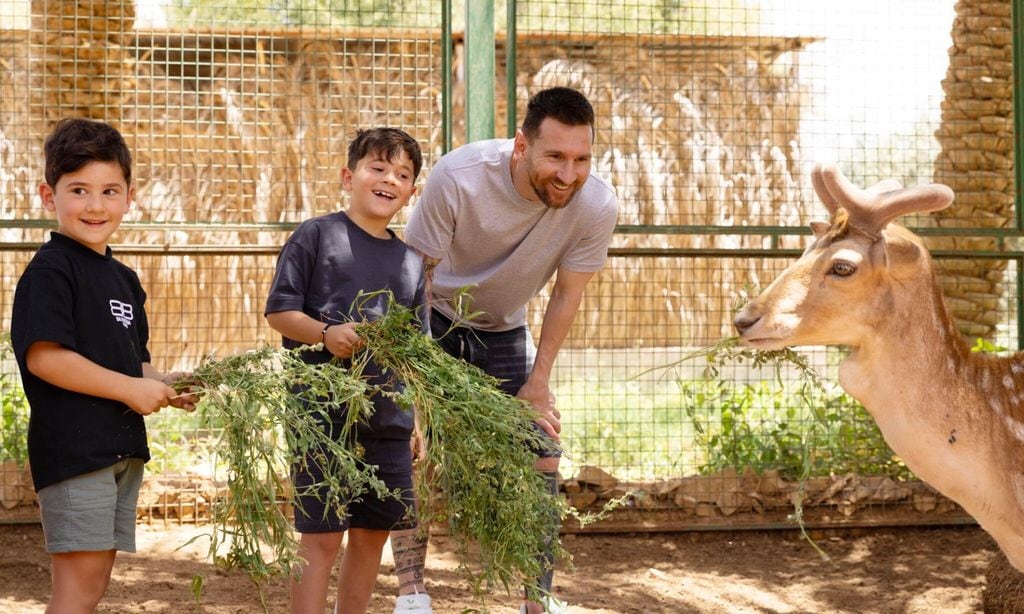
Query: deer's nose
[744, 322]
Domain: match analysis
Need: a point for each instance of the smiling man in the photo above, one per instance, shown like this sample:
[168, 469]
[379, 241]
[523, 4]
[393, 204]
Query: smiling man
[502, 217]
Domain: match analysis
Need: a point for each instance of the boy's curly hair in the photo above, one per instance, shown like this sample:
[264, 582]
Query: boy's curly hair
[386, 142]
[76, 141]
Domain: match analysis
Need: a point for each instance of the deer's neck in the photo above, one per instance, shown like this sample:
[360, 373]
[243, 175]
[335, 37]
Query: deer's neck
[915, 352]
[955, 417]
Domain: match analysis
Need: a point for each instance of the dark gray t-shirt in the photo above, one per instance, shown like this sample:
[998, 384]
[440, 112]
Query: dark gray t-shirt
[321, 271]
[505, 247]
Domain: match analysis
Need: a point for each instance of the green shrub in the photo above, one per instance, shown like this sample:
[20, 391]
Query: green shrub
[13, 408]
[762, 426]
[656, 426]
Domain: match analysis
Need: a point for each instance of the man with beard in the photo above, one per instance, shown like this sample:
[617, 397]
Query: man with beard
[501, 217]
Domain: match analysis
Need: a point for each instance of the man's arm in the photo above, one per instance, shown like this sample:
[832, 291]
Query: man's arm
[429, 264]
[70, 370]
[561, 311]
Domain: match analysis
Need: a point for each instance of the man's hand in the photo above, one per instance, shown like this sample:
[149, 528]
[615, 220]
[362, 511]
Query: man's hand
[543, 400]
[417, 445]
[342, 340]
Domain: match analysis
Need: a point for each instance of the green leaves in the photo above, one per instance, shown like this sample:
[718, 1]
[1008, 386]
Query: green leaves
[271, 408]
[794, 422]
[478, 456]
[14, 411]
[478, 475]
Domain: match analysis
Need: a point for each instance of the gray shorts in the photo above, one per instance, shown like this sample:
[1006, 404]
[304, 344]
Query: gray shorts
[93, 511]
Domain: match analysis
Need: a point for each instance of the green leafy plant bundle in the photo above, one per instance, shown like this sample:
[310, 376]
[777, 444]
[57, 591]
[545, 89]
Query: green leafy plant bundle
[271, 409]
[478, 441]
[477, 477]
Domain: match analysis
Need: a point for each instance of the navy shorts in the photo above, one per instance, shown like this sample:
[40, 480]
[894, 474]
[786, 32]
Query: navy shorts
[392, 461]
[506, 355]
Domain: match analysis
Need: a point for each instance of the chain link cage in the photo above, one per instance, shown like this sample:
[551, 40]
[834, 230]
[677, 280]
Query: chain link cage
[709, 117]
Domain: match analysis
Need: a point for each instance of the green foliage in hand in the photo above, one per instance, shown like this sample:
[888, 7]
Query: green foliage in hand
[478, 456]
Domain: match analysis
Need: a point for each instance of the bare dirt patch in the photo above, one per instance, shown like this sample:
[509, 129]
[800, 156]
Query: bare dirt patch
[879, 570]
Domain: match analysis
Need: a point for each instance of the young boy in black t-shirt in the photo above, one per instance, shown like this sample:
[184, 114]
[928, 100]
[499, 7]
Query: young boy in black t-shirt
[315, 298]
[79, 332]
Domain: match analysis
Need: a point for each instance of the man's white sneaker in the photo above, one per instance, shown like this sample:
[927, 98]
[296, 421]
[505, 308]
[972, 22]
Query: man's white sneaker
[551, 606]
[416, 603]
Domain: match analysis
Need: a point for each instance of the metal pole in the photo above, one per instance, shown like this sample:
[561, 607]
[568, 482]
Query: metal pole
[511, 71]
[446, 76]
[479, 70]
[1017, 10]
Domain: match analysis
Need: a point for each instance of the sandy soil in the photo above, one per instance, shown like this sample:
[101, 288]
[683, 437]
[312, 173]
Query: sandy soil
[881, 570]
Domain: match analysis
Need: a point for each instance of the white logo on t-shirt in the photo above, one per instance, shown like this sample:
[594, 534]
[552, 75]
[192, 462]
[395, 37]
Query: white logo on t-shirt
[122, 312]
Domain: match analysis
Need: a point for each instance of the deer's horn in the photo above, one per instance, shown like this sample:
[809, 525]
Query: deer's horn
[871, 210]
[823, 194]
[830, 202]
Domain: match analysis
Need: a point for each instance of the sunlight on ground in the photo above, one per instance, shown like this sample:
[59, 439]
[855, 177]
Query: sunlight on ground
[13, 606]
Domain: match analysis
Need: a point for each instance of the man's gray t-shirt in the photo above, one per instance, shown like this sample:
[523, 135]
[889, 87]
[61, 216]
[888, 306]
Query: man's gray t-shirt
[502, 245]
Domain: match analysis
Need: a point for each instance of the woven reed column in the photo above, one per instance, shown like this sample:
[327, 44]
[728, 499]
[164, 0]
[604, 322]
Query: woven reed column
[976, 160]
[83, 65]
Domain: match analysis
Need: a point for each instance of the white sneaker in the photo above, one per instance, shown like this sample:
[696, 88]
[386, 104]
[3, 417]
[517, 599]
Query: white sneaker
[551, 606]
[416, 603]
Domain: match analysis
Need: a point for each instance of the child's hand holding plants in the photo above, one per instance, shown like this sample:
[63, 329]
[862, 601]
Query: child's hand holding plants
[186, 386]
[146, 396]
[342, 340]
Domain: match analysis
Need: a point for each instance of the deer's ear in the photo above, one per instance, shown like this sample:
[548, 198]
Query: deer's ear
[903, 254]
[819, 229]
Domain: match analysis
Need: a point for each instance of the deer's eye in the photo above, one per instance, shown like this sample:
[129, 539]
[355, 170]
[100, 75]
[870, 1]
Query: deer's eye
[842, 268]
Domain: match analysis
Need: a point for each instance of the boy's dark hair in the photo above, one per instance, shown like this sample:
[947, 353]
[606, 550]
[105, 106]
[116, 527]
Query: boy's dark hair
[387, 143]
[560, 103]
[76, 141]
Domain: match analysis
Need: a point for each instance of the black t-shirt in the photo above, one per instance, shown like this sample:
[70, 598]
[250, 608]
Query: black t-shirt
[94, 305]
[321, 271]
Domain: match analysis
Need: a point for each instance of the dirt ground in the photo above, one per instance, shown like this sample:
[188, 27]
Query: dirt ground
[879, 570]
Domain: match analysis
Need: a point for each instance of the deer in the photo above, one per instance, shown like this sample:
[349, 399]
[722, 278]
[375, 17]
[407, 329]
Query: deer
[954, 416]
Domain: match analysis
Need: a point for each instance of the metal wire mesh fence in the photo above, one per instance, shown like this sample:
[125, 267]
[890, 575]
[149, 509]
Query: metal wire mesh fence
[709, 116]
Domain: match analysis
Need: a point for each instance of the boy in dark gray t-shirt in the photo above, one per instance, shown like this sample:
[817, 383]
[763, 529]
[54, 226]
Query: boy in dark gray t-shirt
[315, 298]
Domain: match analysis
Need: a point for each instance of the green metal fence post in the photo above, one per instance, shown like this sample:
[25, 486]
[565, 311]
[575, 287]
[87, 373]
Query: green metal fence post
[446, 76]
[511, 72]
[479, 70]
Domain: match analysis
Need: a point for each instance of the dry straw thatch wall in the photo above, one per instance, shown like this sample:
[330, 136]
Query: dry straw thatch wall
[248, 128]
[691, 130]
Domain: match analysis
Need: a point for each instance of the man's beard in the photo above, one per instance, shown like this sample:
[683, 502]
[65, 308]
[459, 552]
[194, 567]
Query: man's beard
[545, 198]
